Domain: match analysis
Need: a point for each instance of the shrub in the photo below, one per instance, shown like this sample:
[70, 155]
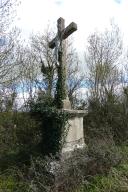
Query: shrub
[115, 181]
[27, 131]
[53, 125]
[7, 133]
[11, 181]
[48, 174]
[19, 136]
[106, 118]
[103, 155]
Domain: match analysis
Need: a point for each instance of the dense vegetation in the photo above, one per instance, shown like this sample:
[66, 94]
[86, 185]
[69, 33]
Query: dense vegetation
[31, 126]
[101, 166]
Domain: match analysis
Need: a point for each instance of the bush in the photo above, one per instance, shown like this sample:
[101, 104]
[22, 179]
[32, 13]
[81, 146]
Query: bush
[106, 118]
[11, 181]
[40, 177]
[51, 175]
[53, 125]
[71, 171]
[68, 174]
[27, 131]
[115, 181]
[103, 155]
[7, 133]
[19, 136]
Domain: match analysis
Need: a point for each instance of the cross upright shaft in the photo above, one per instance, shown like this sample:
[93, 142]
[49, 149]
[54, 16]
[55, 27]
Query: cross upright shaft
[62, 34]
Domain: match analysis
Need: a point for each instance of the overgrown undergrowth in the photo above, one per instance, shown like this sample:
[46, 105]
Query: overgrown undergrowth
[79, 173]
[101, 167]
[115, 181]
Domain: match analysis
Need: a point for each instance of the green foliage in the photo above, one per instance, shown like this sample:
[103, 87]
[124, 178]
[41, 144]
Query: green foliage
[115, 181]
[10, 184]
[53, 127]
[12, 180]
[7, 133]
[19, 136]
[17, 130]
[27, 131]
[41, 178]
[74, 174]
[106, 118]
[103, 155]
[60, 87]
[51, 175]
[53, 124]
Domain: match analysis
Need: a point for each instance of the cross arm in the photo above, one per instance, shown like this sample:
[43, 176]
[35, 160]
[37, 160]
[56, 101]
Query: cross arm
[69, 30]
[65, 33]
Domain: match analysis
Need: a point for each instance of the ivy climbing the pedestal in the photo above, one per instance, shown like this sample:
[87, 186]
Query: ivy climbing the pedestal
[53, 127]
[61, 91]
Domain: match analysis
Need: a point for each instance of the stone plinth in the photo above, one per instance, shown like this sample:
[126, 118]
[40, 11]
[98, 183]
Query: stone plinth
[66, 104]
[75, 135]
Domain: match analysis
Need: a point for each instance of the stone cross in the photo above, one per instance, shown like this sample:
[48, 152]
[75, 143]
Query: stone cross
[60, 48]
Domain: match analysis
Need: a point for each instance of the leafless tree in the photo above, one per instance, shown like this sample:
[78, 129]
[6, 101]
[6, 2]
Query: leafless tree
[102, 57]
[75, 75]
[45, 56]
[8, 54]
[38, 67]
[29, 72]
[7, 14]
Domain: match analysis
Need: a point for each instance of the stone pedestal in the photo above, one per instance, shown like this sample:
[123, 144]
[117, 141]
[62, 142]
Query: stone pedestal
[66, 104]
[75, 135]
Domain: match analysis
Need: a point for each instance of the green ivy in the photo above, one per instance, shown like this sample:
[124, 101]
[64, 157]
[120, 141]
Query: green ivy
[54, 130]
[60, 87]
[53, 127]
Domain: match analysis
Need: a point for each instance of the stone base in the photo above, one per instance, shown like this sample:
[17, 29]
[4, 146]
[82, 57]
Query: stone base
[75, 135]
[73, 145]
[66, 104]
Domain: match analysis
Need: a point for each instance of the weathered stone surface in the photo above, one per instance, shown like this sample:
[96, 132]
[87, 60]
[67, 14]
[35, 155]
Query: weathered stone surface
[65, 32]
[75, 135]
[60, 47]
[69, 30]
[66, 104]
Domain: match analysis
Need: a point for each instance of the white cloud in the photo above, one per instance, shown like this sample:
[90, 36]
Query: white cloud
[88, 14]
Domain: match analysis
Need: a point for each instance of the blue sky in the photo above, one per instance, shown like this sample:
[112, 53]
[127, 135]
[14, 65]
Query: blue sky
[118, 1]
